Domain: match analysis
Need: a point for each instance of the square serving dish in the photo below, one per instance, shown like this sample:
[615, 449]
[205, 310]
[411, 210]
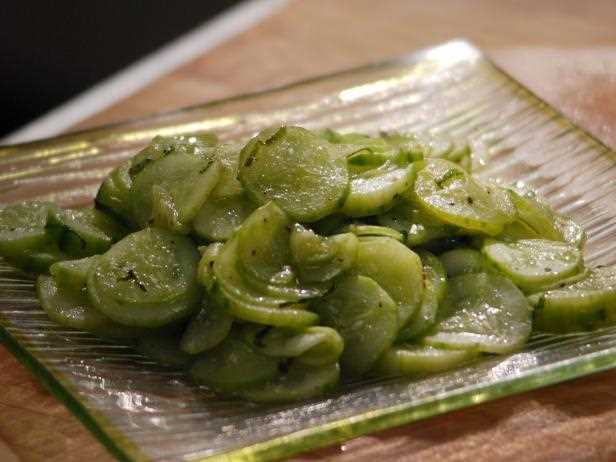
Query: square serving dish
[141, 411]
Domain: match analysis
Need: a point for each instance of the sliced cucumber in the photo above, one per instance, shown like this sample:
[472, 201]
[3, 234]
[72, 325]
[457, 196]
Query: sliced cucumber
[396, 268]
[314, 346]
[264, 256]
[538, 218]
[482, 312]
[450, 194]
[84, 232]
[73, 274]
[321, 259]
[417, 360]
[208, 327]
[233, 365]
[376, 190]
[463, 260]
[418, 226]
[205, 270]
[373, 231]
[218, 218]
[170, 191]
[71, 308]
[300, 382]
[434, 291]
[584, 305]
[147, 279]
[365, 316]
[297, 170]
[534, 263]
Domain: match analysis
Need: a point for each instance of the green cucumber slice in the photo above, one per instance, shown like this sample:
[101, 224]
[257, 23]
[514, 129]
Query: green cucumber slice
[264, 256]
[147, 279]
[463, 260]
[584, 305]
[396, 268]
[434, 291]
[540, 221]
[297, 170]
[450, 194]
[205, 270]
[418, 226]
[73, 274]
[170, 191]
[375, 191]
[534, 263]
[321, 259]
[365, 316]
[373, 231]
[71, 308]
[218, 218]
[482, 312]
[233, 365]
[300, 382]
[209, 327]
[314, 346]
[84, 232]
[418, 360]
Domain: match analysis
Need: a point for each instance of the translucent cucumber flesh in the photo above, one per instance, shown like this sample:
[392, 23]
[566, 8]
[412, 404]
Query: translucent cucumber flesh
[482, 312]
[534, 263]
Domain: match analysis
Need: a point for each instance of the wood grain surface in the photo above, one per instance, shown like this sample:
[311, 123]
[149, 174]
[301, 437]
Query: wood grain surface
[563, 50]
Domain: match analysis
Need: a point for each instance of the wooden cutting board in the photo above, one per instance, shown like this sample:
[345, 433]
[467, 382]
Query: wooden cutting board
[563, 50]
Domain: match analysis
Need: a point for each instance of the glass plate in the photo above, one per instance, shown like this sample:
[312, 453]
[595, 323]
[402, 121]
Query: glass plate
[145, 412]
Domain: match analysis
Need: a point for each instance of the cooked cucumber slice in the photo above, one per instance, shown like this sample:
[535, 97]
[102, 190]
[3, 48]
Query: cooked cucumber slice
[314, 346]
[293, 316]
[419, 360]
[373, 231]
[482, 312]
[218, 218]
[300, 382]
[365, 316]
[71, 308]
[113, 196]
[320, 259]
[396, 268]
[208, 327]
[165, 350]
[147, 279]
[233, 283]
[434, 291]
[539, 219]
[418, 226]
[297, 170]
[205, 270]
[228, 185]
[233, 365]
[73, 274]
[84, 232]
[533, 263]
[264, 255]
[170, 191]
[463, 260]
[263, 245]
[25, 240]
[584, 305]
[450, 194]
[376, 190]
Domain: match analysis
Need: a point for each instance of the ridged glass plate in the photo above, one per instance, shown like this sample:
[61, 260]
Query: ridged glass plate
[145, 412]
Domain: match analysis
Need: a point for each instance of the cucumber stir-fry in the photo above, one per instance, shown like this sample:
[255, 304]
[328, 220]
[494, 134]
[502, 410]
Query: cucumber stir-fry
[275, 270]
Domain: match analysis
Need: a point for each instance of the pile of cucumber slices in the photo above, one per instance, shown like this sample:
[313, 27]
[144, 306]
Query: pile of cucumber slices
[273, 271]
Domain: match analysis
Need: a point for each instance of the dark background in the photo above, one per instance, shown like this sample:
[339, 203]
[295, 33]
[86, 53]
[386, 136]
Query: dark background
[52, 50]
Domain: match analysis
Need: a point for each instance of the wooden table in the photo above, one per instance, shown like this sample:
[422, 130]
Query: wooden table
[564, 50]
